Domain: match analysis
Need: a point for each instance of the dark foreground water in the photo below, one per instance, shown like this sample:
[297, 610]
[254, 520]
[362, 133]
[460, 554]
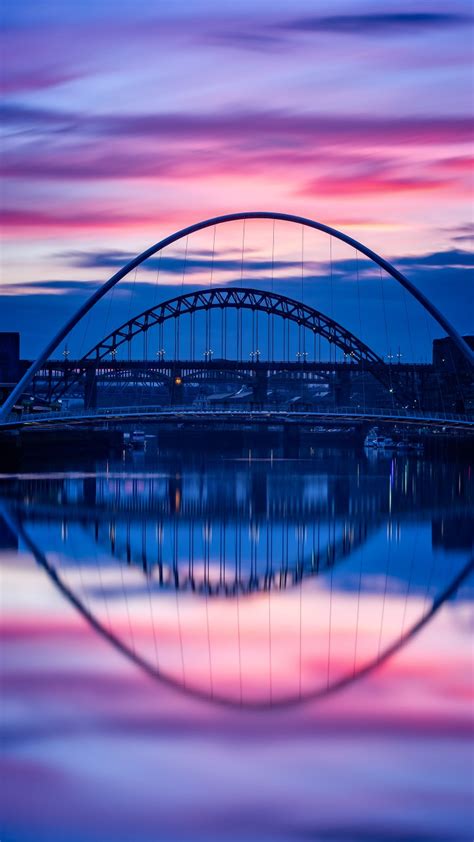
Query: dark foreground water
[239, 646]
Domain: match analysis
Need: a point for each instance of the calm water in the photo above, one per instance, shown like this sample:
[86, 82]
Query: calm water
[247, 646]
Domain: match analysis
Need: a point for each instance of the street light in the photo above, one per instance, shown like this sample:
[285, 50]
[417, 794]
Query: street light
[161, 354]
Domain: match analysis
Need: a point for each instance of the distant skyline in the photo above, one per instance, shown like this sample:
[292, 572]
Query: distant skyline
[123, 122]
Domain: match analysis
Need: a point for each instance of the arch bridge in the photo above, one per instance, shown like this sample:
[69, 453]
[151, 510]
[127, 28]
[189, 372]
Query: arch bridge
[320, 350]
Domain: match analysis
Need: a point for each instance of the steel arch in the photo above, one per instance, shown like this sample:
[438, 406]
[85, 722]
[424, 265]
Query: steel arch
[468, 354]
[235, 297]
[238, 298]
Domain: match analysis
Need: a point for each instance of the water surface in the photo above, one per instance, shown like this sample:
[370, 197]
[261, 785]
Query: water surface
[253, 645]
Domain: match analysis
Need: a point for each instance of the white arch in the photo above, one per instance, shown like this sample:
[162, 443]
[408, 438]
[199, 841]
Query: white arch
[25, 381]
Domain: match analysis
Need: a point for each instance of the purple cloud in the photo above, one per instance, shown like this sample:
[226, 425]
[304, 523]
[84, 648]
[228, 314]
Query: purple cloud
[462, 233]
[34, 80]
[379, 24]
[248, 126]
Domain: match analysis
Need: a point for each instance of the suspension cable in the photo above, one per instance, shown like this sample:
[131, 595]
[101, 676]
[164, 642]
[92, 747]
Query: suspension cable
[360, 325]
[387, 341]
[412, 349]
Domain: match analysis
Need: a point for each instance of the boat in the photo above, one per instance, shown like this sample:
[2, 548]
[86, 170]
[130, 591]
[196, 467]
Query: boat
[378, 442]
[405, 444]
[136, 439]
[373, 439]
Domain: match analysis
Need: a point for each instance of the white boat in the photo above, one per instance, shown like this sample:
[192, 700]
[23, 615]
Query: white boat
[373, 439]
[410, 445]
[135, 439]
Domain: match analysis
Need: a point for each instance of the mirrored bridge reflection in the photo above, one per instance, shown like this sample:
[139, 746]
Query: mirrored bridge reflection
[252, 582]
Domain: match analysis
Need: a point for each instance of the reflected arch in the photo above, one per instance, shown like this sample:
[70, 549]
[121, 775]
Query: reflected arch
[220, 699]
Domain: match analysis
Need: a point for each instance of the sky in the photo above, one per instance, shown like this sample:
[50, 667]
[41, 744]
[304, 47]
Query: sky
[125, 121]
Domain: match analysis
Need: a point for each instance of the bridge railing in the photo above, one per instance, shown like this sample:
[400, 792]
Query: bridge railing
[247, 410]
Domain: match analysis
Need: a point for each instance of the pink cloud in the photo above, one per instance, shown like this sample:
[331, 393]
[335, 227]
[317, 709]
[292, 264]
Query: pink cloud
[360, 185]
[87, 219]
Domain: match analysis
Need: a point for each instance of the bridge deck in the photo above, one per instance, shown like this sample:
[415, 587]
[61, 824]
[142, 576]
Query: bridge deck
[248, 415]
[218, 364]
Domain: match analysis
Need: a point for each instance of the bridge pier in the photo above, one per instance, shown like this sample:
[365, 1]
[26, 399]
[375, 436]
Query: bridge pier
[177, 387]
[260, 386]
[90, 389]
[342, 388]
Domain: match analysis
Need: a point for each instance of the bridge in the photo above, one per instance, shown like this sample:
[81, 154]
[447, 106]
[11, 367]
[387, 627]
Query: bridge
[263, 416]
[264, 348]
[82, 378]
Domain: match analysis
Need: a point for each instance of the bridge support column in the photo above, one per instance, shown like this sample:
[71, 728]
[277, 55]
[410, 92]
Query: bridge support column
[342, 388]
[90, 389]
[260, 386]
[177, 387]
[65, 383]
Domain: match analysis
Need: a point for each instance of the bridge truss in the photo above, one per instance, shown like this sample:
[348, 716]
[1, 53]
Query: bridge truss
[355, 352]
[240, 299]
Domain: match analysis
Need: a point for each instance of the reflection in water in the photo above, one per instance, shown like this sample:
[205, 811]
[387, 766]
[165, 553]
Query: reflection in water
[251, 582]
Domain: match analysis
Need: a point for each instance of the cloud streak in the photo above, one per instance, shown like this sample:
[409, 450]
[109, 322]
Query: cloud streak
[359, 185]
[247, 125]
[454, 258]
[81, 219]
[383, 24]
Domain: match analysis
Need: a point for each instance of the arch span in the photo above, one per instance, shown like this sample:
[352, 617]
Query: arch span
[250, 299]
[25, 381]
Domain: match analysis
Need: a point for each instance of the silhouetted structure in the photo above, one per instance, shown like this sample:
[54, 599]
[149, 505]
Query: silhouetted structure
[9, 357]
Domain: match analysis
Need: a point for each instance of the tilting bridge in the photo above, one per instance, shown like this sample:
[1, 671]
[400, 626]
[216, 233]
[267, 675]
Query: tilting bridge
[292, 340]
[209, 417]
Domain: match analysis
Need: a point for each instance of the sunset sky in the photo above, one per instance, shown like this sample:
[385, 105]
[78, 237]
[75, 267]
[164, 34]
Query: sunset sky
[124, 121]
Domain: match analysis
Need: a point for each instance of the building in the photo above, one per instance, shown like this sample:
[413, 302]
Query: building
[447, 356]
[9, 357]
